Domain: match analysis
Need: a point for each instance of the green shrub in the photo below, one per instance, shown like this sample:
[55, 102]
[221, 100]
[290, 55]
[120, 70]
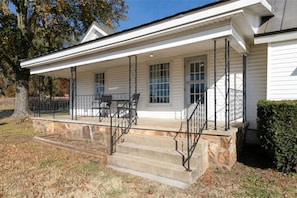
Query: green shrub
[277, 132]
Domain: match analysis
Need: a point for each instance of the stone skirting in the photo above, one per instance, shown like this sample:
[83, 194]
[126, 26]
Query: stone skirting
[76, 131]
[223, 146]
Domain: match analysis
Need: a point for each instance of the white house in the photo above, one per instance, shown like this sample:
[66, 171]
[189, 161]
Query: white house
[238, 51]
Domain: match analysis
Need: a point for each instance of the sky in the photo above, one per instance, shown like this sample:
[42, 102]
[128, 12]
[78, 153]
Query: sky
[145, 11]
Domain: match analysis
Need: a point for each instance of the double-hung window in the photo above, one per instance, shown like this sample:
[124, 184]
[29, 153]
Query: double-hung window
[159, 83]
[99, 84]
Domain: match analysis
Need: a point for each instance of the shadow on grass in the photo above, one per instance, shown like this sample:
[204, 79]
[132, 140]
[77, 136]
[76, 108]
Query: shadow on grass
[5, 113]
[4, 123]
[255, 156]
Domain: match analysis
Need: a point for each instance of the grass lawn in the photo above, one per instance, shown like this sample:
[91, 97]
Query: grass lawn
[30, 169]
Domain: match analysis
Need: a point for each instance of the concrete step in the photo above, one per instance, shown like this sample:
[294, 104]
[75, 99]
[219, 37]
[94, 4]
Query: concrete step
[169, 155]
[155, 167]
[168, 143]
[155, 155]
[149, 140]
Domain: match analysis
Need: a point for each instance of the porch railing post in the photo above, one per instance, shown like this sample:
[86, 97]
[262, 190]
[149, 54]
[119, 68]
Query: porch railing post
[206, 110]
[227, 84]
[130, 87]
[244, 88]
[111, 136]
[73, 94]
[39, 99]
[228, 88]
[215, 83]
[188, 146]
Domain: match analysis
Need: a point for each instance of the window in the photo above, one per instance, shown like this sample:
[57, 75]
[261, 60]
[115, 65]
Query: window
[195, 79]
[99, 83]
[159, 83]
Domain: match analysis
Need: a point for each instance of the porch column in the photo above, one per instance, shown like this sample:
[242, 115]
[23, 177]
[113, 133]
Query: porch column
[52, 103]
[73, 94]
[215, 82]
[36, 95]
[244, 88]
[132, 81]
[227, 84]
[132, 74]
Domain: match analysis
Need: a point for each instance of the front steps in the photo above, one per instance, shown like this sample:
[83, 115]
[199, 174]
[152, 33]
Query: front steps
[155, 158]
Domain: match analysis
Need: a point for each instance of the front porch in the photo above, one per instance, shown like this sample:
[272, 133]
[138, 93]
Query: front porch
[220, 147]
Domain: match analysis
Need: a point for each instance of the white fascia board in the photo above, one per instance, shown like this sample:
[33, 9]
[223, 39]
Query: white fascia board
[238, 42]
[219, 32]
[106, 44]
[144, 32]
[278, 37]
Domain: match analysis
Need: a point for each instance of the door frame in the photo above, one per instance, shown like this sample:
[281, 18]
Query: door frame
[188, 106]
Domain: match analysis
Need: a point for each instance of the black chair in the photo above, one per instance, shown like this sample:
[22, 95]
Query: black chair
[129, 109]
[104, 105]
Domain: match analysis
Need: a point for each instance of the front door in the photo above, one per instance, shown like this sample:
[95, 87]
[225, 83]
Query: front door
[195, 79]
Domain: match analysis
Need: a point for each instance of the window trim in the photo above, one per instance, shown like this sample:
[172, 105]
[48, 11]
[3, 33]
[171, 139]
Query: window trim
[186, 61]
[104, 82]
[149, 83]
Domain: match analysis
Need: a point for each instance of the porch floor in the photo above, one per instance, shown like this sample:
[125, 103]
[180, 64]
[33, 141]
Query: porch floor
[154, 124]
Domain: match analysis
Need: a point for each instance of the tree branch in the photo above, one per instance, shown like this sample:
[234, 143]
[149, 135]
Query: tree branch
[9, 60]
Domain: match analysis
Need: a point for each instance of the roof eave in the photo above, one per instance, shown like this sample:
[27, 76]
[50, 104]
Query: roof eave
[276, 36]
[143, 31]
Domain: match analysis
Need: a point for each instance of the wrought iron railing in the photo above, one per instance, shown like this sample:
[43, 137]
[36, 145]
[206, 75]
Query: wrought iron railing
[82, 105]
[119, 125]
[236, 104]
[121, 121]
[48, 105]
[196, 123]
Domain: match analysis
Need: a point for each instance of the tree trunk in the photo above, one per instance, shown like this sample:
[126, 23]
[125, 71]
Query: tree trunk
[22, 94]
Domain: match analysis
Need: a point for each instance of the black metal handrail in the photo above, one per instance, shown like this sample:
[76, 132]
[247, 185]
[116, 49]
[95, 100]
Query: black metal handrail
[120, 124]
[196, 123]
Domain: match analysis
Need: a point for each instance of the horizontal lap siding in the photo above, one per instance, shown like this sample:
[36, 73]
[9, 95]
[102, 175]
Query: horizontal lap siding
[282, 72]
[117, 79]
[236, 82]
[85, 83]
[256, 81]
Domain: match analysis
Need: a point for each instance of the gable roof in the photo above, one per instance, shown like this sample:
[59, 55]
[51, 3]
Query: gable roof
[96, 31]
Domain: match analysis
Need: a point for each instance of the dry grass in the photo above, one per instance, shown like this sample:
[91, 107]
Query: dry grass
[30, 169]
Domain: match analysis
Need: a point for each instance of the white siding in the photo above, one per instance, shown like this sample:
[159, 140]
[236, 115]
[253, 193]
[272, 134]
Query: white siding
[282, 71]
[256, 81]
[85, 83]
[117, 79]
[236, 70]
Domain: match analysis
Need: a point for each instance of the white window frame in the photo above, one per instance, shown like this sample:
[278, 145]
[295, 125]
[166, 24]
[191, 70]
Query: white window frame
[160, 87]
[99, 87]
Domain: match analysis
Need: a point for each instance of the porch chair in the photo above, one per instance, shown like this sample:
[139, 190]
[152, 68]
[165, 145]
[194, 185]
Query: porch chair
[125, 111]
[103, 107]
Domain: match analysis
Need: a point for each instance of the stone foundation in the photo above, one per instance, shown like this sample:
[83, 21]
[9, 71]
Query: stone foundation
[223, 150]
[223, 146]
[76, 131]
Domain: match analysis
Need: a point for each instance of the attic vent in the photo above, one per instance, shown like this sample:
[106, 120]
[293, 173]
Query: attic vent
[265, 18]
